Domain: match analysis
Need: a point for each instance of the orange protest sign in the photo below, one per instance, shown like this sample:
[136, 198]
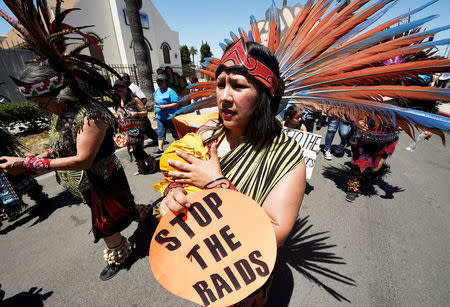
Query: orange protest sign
[218, 252]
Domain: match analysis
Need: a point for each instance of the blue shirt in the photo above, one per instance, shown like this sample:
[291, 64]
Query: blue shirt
[165, 97]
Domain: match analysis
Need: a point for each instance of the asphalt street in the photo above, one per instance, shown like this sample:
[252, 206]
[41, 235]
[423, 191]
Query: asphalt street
[388, 248]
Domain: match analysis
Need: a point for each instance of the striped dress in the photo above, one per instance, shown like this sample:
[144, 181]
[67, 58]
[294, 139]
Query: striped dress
[254, 169]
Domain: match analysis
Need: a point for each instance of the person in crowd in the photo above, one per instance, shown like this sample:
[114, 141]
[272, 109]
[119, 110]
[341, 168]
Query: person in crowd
[246, 133]
[131, 113]
[308, 120]
[293, 118]
[334, 125]
[193, 79]
[166, 101]
[371, 146]
[136, 91]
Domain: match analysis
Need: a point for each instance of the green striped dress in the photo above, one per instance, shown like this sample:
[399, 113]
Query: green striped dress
[254, 169]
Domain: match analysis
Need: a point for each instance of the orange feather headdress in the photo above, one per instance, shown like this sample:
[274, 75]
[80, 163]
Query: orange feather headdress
[330, 61]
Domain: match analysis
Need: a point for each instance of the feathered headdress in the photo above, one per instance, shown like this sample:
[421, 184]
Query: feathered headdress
[49, 38]
[330, 60]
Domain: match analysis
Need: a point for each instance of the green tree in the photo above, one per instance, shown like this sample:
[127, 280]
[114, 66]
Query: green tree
[185, 55]
[193, 52]
[205, 51]
[143, 60]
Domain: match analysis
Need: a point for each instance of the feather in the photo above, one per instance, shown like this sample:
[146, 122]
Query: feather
[14, 23]
[331, 60]
[57, 24]
[353, 107]
[255, 30]
[58, 7]
[243, 35]
[92, 60]
[362, 26]
[206, 103]
[299, 43]
[214, 61]
[196, 95]
[208, 73]
[84, 45]
[202, 85]
[209, 66]
[349, 49]
[378, 74]
[293, 30]
[391, 22]
[234, 37]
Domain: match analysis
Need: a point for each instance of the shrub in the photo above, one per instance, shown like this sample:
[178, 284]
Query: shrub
[26, 113]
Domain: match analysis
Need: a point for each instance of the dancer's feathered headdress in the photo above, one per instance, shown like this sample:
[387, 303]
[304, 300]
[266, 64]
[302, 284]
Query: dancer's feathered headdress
[330, 60]
[49, 38]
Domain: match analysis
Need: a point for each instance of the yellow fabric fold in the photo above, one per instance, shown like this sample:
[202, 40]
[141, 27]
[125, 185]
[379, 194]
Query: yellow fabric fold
[191, 144]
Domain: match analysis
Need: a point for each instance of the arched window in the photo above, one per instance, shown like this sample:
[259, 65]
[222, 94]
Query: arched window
[93, 50]
[166, 52]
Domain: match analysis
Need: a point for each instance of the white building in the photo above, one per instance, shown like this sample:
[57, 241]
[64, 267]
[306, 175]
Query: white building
[111, 24]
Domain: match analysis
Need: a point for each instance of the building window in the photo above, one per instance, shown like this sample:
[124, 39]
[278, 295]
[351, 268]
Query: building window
[93, 50]
[144, 19]
[166, 52]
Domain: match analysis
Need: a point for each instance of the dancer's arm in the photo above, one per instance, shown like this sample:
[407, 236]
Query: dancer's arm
[88, 142]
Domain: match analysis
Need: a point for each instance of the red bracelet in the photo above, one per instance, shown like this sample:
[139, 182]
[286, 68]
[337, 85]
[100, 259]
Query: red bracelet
[220, 183]
[35, 164]
[172, 186]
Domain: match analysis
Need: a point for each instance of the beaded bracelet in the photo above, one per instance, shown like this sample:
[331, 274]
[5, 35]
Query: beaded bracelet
[172, 186]
[220, 183]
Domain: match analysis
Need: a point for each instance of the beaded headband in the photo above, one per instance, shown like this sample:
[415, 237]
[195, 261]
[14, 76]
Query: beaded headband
[41, 88]
[237, 57]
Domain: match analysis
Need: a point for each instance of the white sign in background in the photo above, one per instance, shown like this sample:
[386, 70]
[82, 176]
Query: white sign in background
[310, 143]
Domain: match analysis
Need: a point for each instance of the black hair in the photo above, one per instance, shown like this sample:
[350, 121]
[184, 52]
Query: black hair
[116, 98]
[126, 77]
[263, 125]
[291, 111]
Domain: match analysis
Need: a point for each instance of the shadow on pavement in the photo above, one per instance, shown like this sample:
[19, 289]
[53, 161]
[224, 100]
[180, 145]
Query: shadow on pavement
[32, 298]
[42, 211]
[339, 176]
[308, 254]
[141, 239]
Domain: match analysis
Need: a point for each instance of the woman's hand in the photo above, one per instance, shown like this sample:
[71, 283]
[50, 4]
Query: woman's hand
[175, 201]
[133, 114]
[12, 165]
[196, 172]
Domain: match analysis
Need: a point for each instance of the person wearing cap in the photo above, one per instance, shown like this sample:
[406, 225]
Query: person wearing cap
[136, 91]
[166, 101]
[131, 113]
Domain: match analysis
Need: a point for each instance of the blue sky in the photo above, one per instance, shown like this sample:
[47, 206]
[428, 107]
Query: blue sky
[211, 21]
